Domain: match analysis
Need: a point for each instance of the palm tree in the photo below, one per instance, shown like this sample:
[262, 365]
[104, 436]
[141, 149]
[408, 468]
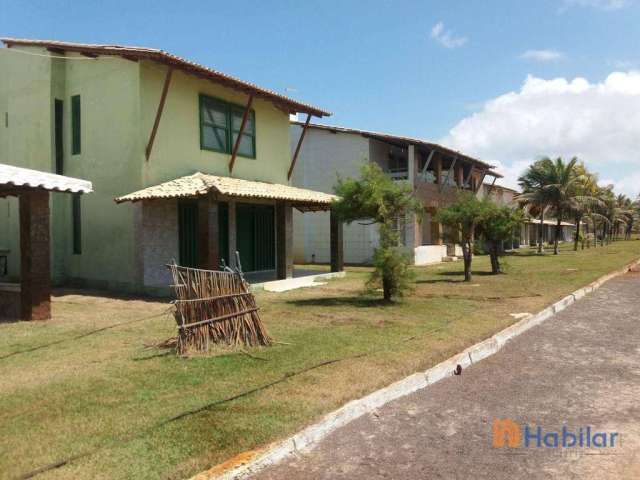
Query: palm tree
[586, 198]
[535, 198]
[555, 184]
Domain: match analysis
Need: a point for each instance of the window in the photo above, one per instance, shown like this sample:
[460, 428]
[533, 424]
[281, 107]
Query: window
[58, 137]
[220, 125]
[75, 125]
[76, 214]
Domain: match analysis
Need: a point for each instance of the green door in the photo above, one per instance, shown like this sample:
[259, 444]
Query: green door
[255, 237]
[188, 233]
[223, 232]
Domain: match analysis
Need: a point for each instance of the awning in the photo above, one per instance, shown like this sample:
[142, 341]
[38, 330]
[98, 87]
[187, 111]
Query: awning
[202, 184]
[14, 178]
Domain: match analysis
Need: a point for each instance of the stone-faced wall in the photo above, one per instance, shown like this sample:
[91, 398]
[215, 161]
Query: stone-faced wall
[157, 242]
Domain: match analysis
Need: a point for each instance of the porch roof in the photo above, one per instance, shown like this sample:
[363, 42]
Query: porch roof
[201, 184]
[14, 178]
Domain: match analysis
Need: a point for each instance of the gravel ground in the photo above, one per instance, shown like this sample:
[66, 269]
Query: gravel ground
[580, 368]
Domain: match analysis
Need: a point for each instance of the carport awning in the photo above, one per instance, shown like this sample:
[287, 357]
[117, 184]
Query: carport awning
[14, 178]
[202, 184]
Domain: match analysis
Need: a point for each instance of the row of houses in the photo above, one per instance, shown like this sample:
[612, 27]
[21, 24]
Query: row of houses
[191, 164]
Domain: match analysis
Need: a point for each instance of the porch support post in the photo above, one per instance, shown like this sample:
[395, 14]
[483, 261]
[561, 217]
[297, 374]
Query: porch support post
[436, 231]
[336, 243]
[439, 169]
[460, 175]
[208, 234]
[35, 261]
[232, 233]
[411, 165]
[156, 123]
[284, 240]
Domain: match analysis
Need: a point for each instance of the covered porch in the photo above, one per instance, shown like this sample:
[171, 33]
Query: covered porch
[31, 298]
[202, 220]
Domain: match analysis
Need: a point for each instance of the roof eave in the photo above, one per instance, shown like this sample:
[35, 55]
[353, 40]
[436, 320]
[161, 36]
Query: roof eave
[160, 56]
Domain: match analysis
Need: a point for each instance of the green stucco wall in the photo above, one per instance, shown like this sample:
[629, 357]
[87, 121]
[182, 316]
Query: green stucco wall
[119, 99]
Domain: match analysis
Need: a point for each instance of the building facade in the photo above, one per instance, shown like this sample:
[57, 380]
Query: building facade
[127, 119]
[436, 173]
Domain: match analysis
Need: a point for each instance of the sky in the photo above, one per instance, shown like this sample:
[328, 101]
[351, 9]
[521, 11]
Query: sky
[506, 81]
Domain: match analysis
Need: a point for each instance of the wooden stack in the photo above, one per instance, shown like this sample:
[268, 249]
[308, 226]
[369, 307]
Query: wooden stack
[215, 307]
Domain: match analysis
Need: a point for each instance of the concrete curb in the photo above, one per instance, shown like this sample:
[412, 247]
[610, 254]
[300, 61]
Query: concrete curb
[310, 436]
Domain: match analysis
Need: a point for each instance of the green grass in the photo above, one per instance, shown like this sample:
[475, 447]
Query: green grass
[110, 395]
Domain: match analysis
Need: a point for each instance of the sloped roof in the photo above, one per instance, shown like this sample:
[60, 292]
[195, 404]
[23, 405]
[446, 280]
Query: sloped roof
[11, 176]
[387, 137]
[202, 183]
[141, 53]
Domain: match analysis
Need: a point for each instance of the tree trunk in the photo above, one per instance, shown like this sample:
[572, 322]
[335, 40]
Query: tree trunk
[466, 255]
[495, 258]
[557, 236]
[386, 288]
[577, 234]
[541, 232]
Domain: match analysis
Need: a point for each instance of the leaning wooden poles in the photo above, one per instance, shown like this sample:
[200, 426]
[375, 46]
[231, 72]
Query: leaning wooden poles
[214, 307]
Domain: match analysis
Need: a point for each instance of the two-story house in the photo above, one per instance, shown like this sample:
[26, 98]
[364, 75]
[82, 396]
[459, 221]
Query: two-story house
[198, 163]
[435, 172]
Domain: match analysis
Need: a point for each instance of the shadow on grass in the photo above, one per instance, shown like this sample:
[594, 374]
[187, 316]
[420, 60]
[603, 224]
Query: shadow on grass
[359, 302]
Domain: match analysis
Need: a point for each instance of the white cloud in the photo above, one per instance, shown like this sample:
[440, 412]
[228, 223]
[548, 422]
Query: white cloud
[543, 55]
[601, 4]
[598, 122]
[446, 38]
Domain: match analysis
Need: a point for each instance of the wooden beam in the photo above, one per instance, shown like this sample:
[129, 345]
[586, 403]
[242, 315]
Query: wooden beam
[465, 181]
[156, 123]
[453, 164]
[491, 186]
[295, 155]
[245, 117]
[90, 55]
[426, 165]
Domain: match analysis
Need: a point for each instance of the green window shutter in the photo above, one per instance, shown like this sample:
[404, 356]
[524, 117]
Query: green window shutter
[247, 147]
[76, 214]
[75, 125]
[214, 125]
[58, 136]
[188, 233]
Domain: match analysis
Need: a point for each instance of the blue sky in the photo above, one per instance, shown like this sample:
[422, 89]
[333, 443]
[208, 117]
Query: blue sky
[381, 65]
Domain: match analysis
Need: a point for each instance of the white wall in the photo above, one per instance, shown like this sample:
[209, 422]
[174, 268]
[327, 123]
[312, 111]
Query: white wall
[322, 155]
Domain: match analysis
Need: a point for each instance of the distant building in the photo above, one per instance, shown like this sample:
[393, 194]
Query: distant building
[436, 173]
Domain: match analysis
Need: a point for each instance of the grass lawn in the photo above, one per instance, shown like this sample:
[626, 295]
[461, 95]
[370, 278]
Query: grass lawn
[113, 397]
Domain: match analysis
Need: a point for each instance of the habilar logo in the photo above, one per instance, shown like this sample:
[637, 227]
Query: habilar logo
[507, 433]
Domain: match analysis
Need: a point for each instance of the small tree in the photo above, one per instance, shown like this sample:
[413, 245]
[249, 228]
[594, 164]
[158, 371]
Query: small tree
[496, 226]
[376, 198]
[463, 216]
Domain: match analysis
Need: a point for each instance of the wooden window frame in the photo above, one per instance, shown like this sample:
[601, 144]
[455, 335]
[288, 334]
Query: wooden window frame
[229, 110]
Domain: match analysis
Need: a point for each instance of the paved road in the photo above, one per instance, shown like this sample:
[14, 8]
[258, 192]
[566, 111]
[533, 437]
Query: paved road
[581, 368]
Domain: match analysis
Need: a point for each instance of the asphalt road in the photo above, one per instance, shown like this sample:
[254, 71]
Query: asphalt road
[579, 369]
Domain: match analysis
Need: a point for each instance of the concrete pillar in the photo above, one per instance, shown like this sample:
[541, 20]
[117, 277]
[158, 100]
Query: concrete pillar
[337, 244]
[35, 256]
[411, 165]
[459, 175]
[232, 233]
[208, 233]
[284, 240]
[438, 161]
[436, 233]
